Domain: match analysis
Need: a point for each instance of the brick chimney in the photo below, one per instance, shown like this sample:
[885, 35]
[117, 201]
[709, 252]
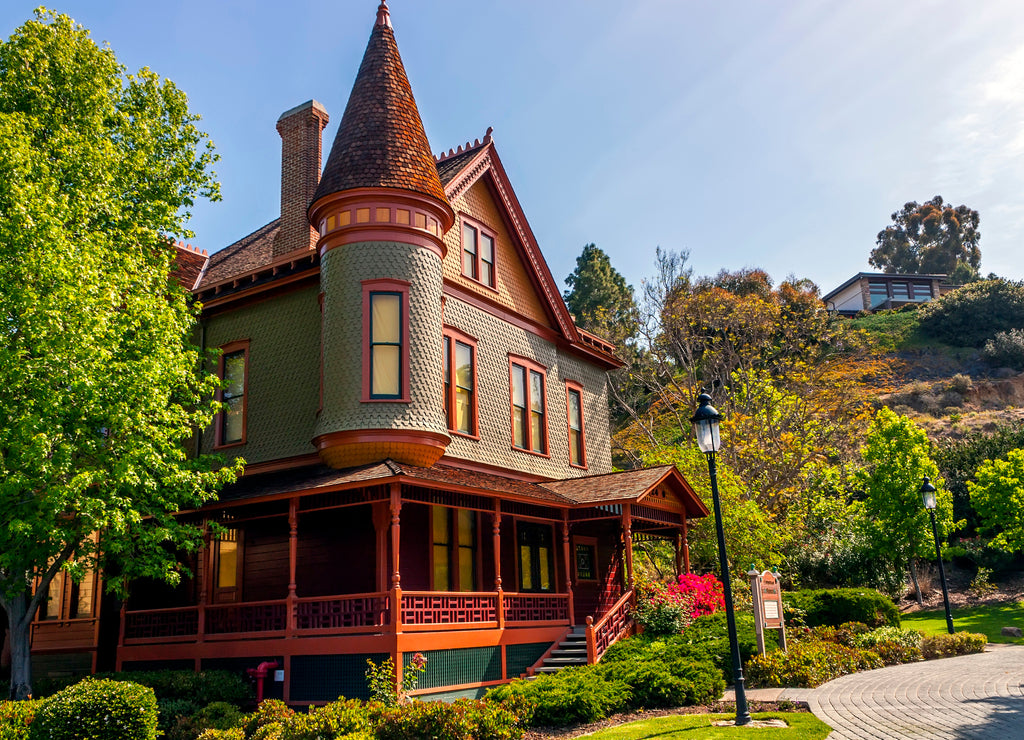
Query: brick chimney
[300, 129]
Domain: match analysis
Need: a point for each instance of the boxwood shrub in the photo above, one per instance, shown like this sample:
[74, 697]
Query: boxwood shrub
[97, 709]
[834, 606]
[945, 646]
[571, 696]
[16, 717]
[674, 684]
[892, 644]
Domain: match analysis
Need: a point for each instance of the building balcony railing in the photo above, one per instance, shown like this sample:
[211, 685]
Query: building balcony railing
[370, 613]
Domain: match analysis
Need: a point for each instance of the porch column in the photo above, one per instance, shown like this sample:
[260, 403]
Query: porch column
[686, 546]
[381, 523]
[627, 542]
[677, 560]
[567, 555]
[205, 575]
[496, 541]
[396, 576]
[293, 556]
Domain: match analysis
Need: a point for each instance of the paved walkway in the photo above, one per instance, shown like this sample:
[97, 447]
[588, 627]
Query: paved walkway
[972, 697]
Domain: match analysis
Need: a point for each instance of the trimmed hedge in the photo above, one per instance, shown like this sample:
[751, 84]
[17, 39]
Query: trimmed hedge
[97, 709]
[656, 684]
[16, 717]
[834, 606]
[945, 645]
[571, 696]
[808, 664]
[892, 644]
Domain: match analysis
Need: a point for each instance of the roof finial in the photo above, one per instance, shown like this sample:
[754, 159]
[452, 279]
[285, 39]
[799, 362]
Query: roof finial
[383, 16]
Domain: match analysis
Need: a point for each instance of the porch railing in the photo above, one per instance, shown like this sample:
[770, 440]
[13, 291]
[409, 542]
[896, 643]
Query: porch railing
[616, 622]
[351, 613]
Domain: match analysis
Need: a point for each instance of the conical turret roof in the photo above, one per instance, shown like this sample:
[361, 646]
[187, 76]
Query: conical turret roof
[381, 142]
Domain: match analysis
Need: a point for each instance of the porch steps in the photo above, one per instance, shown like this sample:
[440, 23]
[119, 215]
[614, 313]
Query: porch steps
[570, 651]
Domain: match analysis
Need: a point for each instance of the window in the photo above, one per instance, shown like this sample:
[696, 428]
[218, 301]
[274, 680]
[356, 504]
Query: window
[67, 599]
[585, 550]
[477, 253]
[460, 401]
[574, 408]
[386, 346]
[234, 371]
[536, 558]
[54, 604]
[900, 291]
[529, 421]
[879, 293]
[227, 566]
[454, 557]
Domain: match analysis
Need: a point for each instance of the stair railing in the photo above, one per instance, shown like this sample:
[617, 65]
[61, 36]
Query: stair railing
[614, 624]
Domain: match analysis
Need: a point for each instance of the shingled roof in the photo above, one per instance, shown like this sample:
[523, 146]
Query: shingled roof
[247, 254]
[381, 141]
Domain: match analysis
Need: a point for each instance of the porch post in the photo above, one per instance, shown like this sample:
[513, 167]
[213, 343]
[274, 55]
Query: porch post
[293, 556]
[496, 540]
[396, 576]
[381, 522]
[567, 555]
[627, 541]
[686, 547]
[205, 569]
[678, 559]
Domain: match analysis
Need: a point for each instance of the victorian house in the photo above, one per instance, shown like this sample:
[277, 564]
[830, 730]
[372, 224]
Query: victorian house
[425, 430]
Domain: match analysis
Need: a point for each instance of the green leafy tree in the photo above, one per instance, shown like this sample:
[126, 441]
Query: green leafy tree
[998, 497]
[102, 390]
[930, 238]
[971, 315]
[600, 299]
[897, 456]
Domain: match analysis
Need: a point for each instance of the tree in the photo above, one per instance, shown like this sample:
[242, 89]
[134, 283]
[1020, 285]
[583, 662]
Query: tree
[600, 299]
[930, 238]
[897, 456]
[998, 497]
[102, 388]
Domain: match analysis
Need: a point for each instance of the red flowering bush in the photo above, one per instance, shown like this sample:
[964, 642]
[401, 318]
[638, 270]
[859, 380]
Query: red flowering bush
[705, 593]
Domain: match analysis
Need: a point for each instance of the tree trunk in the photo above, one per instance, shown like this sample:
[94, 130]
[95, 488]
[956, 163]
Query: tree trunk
[917, 586]
[19, 624]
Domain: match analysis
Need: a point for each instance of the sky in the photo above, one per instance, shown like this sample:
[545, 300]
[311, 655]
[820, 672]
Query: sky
[781, 135]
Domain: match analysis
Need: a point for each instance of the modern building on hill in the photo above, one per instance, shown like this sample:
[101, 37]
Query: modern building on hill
[876, 291]
[425, 430]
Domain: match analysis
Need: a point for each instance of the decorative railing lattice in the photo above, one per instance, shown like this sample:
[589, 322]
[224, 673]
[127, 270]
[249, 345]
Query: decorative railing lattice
[425, 607]
[161, 623]
[613, 625]
[536, 607]
[265, 616]
[342, 612]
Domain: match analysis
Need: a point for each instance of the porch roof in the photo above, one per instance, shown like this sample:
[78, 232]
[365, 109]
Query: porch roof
[623, 487]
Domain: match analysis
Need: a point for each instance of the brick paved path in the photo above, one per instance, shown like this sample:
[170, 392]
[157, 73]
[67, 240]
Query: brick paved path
[972, 697]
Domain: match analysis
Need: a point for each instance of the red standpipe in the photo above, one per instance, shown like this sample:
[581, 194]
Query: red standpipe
[260, 674]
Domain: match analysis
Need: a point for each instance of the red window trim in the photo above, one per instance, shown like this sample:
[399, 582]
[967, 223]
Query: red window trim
[465, 220]
[386, 285]
[456, 335]
[218, 420]
[529, 364]
[572, 385]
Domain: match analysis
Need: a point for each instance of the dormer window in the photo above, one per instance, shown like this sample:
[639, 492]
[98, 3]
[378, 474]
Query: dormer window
[477, 252]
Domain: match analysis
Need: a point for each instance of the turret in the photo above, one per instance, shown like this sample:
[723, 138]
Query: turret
[381, 214]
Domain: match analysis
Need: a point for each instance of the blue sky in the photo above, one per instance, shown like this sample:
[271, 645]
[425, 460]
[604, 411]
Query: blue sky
[773, 134]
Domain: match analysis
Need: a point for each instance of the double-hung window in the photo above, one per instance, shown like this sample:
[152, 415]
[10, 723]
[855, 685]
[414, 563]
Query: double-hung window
[460, 395]
[454, 549]
[529, 406]
[386, 340]
[234, 371]
[574, 409]
[477, 253]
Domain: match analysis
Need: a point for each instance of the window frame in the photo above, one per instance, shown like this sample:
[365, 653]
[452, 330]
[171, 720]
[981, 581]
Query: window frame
[454, 550]
[227, 594]
[448, 383]
[572, 386]
[533, 532]
[591, 542]
[479, 228]
[529, 366]
[232, 348]
[386, 286]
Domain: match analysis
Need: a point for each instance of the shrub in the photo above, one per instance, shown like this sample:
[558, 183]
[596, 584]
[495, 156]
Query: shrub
[436, 720]
[98, 709]
[381, 679]
[837, 605]
[706, 591]
[234, 733]
[808, 664]
[171, 710]
[654, 683]
[341, 718]
[270, 712]
[892, 644]
[1005, 349]
[970, 315]
[16, 717]
[571, 696]
[945, 645]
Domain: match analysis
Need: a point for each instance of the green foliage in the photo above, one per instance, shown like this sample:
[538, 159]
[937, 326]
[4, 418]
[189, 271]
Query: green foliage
[837, 606]
[214, 716]
[103, 386]
[269, 712]
[599, 298]
[16, 718]
[946, 645]
[998, 497]
[808, 664]
[654, 683]
[193, 686]
[571, 696]
[98, 709]
[892, 644]
[341, 718]
[381, 679]
[173, 710]
[235, 733]
[799, 726]
[930, 238]
[890, 330]
[974, 313]
[1005, 349]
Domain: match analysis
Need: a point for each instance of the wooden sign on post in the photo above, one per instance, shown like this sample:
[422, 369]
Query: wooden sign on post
[767, 598]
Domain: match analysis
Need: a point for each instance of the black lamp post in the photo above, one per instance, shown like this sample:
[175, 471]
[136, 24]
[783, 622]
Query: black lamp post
[705, 425]
[928, 496]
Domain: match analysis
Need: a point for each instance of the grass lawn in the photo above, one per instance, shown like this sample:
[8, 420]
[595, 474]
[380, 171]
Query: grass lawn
[802, 726]
[988, 620]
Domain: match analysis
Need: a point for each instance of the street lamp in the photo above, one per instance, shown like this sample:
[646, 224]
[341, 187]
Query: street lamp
[705, 425]
[928, 496]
